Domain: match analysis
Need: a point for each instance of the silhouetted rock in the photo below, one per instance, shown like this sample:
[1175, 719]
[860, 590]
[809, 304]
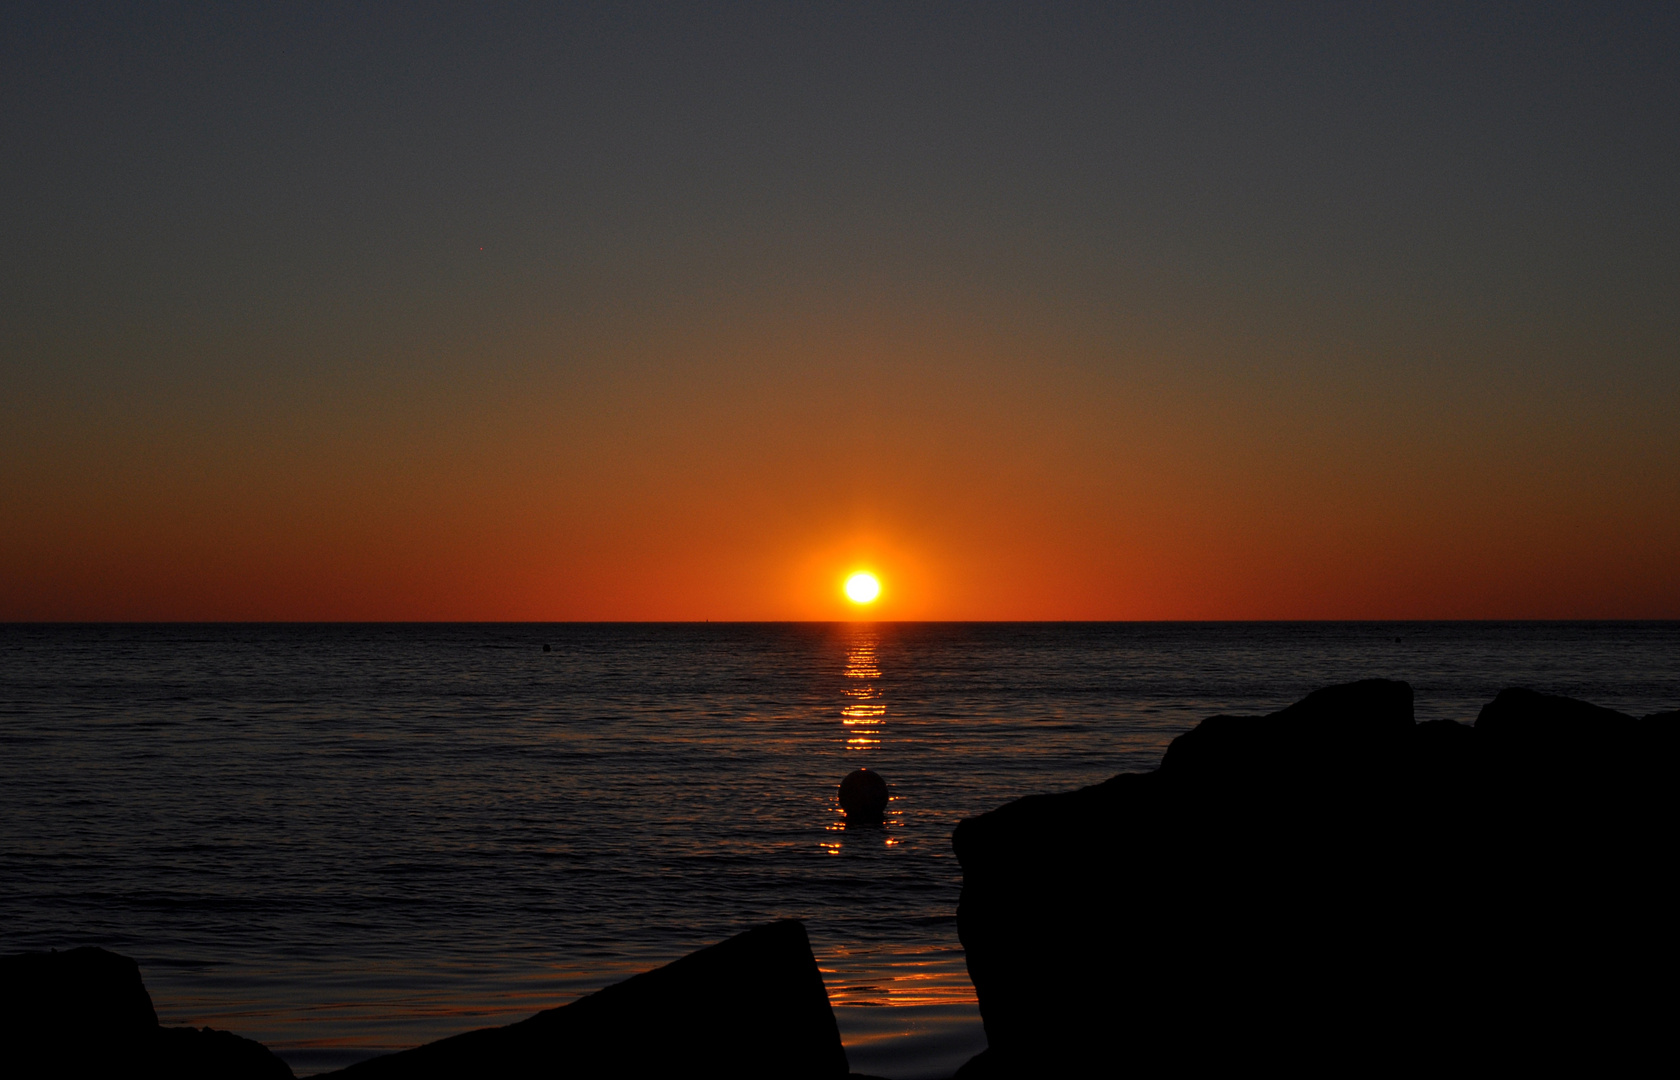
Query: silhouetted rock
[751, 1006]
[87, 994]
[208, 1054]
[864, 797]
[1333, 887]
[86, 1012]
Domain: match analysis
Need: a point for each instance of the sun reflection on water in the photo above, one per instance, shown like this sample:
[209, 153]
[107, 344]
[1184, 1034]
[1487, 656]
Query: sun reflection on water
[863, 714]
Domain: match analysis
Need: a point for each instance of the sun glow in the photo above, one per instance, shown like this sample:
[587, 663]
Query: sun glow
[862, 588]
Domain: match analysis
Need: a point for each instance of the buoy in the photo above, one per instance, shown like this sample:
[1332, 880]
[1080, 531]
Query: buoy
[547, 647]
[863, 795]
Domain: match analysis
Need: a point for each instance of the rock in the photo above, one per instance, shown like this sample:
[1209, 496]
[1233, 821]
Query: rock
[85, 996]
[207, 1054]
[86, 1012]
[864, 797]
[751, 1006]
[1333, 887]
[1360, 724]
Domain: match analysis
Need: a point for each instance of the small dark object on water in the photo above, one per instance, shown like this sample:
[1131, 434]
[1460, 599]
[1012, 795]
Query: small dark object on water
[549, 648]
[863, 795]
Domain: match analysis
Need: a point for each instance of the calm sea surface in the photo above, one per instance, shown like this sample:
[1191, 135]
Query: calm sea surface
[341, 840]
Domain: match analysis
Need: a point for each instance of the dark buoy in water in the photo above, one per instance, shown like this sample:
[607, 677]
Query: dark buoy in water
[863, 795]
[547, 647]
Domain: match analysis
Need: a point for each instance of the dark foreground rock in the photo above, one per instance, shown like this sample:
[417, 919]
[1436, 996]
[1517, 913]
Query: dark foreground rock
[1335, 888]
[85, 1012]
[751, 1006]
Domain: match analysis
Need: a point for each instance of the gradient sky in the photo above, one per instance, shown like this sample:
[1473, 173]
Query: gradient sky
[683, 312]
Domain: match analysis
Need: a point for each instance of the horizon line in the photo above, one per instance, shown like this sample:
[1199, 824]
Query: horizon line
[814, 622]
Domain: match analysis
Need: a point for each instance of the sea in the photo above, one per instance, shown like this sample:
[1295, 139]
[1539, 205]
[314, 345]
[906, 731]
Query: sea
[342, 840]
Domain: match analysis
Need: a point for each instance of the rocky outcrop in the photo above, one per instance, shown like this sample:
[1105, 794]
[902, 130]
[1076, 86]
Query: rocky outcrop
[1334, 887]
[85, 1012]
[751, 1006]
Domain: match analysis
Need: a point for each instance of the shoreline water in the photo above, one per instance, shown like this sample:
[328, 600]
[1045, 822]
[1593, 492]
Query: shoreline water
[1235, 802]
[293, 828]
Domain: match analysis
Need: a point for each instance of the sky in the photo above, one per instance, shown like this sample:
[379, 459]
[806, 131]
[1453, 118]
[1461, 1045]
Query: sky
[635, 311]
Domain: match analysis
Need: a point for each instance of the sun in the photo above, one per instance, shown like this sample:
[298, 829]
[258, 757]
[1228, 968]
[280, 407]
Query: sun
[862, 588]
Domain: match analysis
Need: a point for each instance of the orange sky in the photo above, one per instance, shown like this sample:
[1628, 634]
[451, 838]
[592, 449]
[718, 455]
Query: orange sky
[738, 466]
[1231, 314]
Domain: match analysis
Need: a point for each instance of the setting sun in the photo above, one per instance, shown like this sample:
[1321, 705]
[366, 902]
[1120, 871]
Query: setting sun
[862, 588]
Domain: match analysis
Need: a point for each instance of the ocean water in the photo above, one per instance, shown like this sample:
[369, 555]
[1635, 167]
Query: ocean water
[342, 840]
